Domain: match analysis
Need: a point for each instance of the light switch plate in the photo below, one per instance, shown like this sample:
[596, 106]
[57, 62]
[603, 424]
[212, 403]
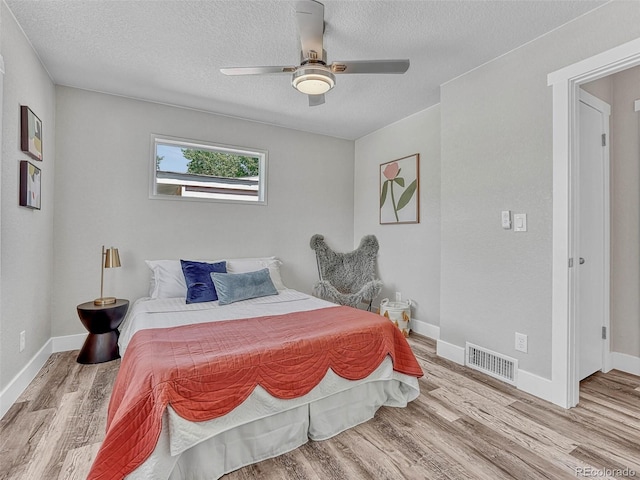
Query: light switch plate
[520, 222]
[506, 219]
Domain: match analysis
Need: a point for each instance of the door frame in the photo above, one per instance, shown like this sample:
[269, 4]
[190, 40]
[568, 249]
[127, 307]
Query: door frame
[605, 110]
[565, 387]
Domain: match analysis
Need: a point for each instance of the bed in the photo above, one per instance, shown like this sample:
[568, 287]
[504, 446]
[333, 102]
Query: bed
[206, 388]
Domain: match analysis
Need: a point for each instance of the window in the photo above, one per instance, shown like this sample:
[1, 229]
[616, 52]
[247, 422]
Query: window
[190, 170]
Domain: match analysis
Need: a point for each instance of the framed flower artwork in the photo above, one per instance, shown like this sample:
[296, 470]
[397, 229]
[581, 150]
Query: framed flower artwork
[400, 190]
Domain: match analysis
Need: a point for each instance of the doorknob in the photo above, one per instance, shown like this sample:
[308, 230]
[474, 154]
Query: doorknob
[581, 260]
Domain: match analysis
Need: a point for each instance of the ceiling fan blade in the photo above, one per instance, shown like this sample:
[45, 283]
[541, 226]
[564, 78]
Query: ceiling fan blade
[256, 70]
[310, 16]
[370, 66]
[315, 100]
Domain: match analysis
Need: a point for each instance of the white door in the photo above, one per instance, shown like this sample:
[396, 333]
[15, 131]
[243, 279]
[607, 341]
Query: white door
[592, 255]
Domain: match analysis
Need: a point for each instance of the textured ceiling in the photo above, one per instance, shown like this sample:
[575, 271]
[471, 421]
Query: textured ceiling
[171, 51]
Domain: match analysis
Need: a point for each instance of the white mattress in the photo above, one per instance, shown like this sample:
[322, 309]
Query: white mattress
[262, 426]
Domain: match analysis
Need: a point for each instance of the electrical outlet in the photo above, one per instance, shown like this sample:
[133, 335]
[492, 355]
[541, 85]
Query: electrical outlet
[521, 342]
[23, 340]
[398, 297]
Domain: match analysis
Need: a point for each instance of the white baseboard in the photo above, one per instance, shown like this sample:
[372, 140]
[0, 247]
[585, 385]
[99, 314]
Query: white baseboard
[68, 342]
[450, 352]
[535, 385]
[21, 381]
[527, 382]
[625, 363]
[426, 329]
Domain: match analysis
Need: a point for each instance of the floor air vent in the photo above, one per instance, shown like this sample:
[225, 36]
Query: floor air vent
[499, 366]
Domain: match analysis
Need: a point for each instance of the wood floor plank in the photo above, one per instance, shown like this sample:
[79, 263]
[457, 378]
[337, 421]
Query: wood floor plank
[383, 450]
[55, 441]
[77, 462]
[607, 437]
[614, 411]
[463, 425]
[20, 438]
[59, 382]
[294, 465]
[441, 375]
[439, 438]
[539, 439]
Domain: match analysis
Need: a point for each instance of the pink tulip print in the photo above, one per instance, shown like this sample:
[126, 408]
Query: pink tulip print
[391, 171]
[393, 181]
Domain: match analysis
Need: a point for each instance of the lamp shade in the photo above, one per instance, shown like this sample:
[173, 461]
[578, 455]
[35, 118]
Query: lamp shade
[111, 258]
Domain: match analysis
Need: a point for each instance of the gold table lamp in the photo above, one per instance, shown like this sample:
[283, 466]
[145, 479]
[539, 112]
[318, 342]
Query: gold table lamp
[109, 259]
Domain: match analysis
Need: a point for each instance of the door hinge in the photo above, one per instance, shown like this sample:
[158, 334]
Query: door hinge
[604, 333]
[570, 262]
[604, 139]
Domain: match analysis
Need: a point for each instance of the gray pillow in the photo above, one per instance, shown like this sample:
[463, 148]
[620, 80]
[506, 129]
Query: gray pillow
[233, 287]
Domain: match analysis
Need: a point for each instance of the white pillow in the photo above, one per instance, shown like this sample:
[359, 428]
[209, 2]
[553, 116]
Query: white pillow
[167, 279]
[244, 265]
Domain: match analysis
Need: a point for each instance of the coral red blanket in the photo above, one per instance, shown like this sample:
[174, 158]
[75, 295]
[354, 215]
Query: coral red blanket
[206, 370]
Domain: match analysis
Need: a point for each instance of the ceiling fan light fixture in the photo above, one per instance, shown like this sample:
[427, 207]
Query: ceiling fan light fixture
[313, 81]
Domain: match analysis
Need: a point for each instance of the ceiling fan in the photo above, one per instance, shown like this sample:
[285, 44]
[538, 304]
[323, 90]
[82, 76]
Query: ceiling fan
[313, 76]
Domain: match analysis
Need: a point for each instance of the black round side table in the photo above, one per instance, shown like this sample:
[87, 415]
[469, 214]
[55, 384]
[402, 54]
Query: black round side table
[102, 322]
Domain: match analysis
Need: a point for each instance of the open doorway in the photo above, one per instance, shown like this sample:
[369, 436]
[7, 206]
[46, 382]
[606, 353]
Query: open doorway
[622, 91]
[566, 87]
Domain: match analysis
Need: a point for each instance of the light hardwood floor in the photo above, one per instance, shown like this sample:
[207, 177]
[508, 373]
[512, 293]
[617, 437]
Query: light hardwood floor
[464, 425]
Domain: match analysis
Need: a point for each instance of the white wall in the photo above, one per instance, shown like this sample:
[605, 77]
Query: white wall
[497, 155]
[625, 214]
[102, 173]
[26, 235]
[409, 258]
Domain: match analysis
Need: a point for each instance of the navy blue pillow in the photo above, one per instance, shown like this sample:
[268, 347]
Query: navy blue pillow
[197, 275]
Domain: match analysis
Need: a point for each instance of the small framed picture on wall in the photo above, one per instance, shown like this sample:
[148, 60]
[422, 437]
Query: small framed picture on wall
[30, 133]
[30, 183]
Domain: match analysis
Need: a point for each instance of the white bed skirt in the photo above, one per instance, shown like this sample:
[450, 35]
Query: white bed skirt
[264, 427]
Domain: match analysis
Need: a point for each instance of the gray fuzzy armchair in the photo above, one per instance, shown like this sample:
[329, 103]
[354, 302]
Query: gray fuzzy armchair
[347, 278]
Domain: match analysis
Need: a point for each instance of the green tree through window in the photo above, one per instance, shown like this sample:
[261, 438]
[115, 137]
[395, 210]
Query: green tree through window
[219, 164]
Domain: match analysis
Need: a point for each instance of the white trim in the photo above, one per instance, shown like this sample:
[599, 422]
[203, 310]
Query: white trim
[68, 342]
[451, 352]
[636, 105]
[565, 83]
[535, 385]
[595, 102]
[426, 329]
[618, 58]
[1, 65]
[21, 381]
[625, 363]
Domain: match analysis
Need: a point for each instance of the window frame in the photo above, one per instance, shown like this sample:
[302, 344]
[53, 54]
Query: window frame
[262, 155]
